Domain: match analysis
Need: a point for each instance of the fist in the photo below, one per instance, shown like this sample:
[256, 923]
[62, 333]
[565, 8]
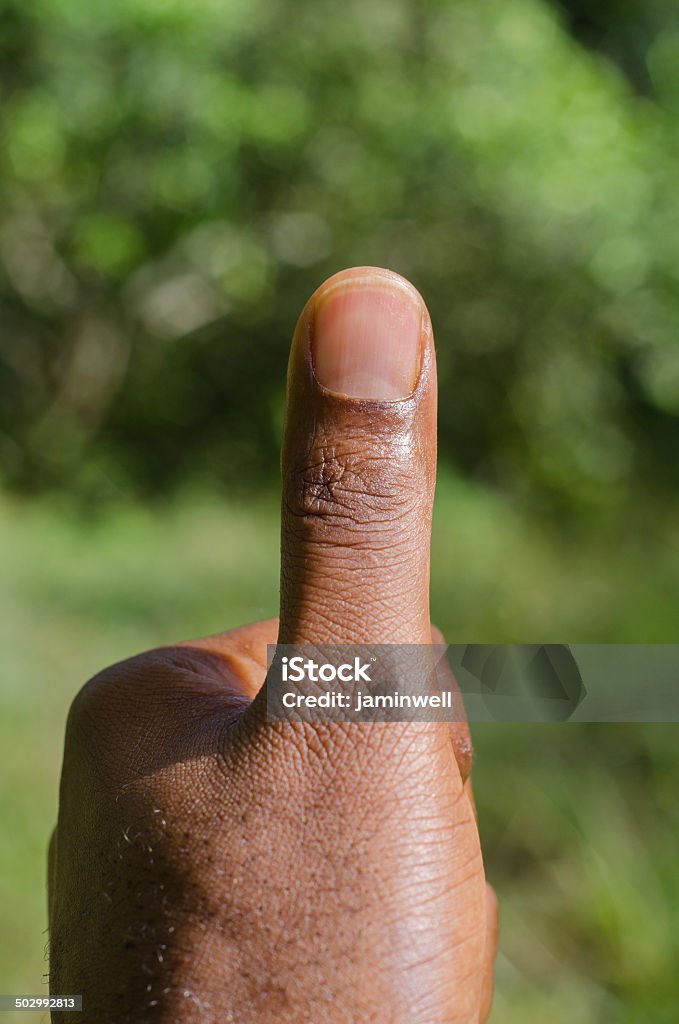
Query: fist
[212, 865]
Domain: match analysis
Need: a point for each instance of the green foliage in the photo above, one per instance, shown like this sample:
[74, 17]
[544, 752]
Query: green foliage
[178, 177]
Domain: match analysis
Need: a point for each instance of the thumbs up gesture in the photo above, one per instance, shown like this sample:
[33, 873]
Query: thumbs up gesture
[211, 864]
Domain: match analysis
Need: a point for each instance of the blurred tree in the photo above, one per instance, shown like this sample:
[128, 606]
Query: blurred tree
[622, 29]
[176, 178]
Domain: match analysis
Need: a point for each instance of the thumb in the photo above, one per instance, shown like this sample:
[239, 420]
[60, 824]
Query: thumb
[359, 465]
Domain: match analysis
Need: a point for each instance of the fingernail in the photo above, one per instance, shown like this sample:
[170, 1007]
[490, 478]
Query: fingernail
[367, 337]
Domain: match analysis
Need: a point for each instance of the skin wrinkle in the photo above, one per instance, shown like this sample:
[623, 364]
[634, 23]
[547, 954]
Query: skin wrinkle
[349, 585]
[326, 479]
[320, 534]
[351, 571]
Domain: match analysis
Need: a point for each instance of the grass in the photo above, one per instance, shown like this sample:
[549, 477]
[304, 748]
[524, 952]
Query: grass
[579, 822]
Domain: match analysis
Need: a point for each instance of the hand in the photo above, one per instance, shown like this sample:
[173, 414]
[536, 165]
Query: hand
[212, 865]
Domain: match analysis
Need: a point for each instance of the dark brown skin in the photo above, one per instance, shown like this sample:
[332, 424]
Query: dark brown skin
[212, 866]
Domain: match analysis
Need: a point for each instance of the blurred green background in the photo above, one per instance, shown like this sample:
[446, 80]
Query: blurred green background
[175, 179]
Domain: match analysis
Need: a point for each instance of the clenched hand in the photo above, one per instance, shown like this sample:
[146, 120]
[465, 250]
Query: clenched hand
[212, 865]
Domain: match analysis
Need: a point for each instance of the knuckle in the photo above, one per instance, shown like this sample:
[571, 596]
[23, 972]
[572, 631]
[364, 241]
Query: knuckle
[96, 702]
[117, 720]
[349, 485]
[143, 692]
[88, 703]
